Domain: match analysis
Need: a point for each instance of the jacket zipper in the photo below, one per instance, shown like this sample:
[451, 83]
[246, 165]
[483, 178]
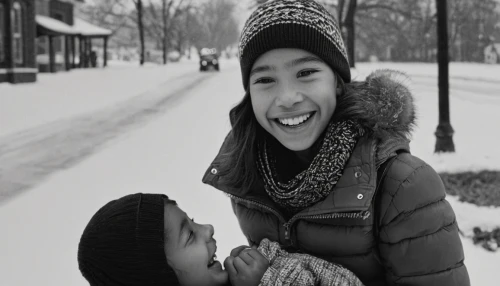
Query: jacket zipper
[358, 215]
[275, 212]
[363, 215]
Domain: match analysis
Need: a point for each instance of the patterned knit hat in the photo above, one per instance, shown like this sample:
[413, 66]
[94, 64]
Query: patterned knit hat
[301, 24]
[123, 244]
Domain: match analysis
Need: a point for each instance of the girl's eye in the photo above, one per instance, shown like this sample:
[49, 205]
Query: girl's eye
[306, 73]
[263, 80]
[191, 233]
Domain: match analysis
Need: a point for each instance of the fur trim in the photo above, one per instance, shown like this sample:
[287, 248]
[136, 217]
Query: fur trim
[383, 104]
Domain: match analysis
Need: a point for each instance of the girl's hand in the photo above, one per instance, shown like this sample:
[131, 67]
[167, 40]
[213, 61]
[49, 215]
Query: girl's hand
[246, 266]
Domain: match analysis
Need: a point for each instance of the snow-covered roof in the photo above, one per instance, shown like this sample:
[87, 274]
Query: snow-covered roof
[80, 27]
[54, 25]
[85, 28]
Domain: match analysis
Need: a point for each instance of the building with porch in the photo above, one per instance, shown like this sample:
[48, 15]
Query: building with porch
[44, 36]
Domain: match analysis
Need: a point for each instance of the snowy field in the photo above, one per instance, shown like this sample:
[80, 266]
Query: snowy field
[156, 130]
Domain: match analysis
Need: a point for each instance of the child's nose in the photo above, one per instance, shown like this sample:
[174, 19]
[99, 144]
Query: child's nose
[209, 230]
[288, 96]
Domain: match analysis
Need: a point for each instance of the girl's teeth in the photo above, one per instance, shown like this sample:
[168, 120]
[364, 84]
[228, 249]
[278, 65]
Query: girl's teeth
[294, 121]
[214, 258]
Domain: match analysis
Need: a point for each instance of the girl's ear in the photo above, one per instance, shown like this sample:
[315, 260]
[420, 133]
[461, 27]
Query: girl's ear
[340, 85]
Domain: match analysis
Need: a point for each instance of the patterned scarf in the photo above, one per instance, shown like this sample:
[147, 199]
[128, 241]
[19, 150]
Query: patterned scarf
[315, 183]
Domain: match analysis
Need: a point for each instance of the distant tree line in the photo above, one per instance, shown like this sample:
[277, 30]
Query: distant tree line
[405, 30]
[166, 25]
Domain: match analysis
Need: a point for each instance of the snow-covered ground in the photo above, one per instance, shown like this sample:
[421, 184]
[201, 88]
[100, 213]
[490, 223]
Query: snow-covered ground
[79, 91]
[171, 147]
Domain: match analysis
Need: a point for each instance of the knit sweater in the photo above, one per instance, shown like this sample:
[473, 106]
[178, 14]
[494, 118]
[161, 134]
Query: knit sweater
[302, 269]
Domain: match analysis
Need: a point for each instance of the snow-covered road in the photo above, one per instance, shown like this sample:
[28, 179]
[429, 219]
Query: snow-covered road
[27, 157]
[162, 143]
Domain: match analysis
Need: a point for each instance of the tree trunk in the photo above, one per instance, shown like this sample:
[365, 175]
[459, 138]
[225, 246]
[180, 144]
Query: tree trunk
[340, 15]
[346, 26]
[165, 29]
[444, 131]
[141, 30]
[349, 24]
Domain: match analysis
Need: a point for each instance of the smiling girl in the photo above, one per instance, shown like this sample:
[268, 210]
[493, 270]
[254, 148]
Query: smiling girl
[322, 165]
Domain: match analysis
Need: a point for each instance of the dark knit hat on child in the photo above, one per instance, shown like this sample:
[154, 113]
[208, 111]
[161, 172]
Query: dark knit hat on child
[123, 244]
[300, 24]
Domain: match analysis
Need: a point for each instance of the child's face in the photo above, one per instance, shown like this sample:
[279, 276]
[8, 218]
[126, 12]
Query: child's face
[190, 249]
[293, 96]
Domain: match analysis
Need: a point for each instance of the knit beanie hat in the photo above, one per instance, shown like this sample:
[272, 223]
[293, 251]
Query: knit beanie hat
[123, 244]
[300, 24]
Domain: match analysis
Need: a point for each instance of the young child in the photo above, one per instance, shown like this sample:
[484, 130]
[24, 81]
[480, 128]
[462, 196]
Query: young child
[147, 240]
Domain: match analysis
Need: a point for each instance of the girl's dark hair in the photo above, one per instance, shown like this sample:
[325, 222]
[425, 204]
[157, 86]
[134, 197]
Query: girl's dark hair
[238, 165]
[239, 158]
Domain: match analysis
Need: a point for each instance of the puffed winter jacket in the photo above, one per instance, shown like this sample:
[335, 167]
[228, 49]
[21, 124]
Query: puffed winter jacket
[402, 233]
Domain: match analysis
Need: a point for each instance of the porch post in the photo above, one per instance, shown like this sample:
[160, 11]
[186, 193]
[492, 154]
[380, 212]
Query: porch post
[105, 56]
[52, 67]
[67, 48]
[87, 52]
[90, 53]
[73, 51]
[81, 44]
[85, 48]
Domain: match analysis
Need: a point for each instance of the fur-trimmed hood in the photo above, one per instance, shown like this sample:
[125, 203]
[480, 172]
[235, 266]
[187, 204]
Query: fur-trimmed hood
[383, 104]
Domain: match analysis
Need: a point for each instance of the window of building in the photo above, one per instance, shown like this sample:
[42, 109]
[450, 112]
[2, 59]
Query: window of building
[2, 32]
[17, 32]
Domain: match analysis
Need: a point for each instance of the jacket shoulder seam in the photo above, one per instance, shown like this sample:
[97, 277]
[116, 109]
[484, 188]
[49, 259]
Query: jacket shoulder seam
[420, 236]
[401, 184]
[456, 266]
[441, 199]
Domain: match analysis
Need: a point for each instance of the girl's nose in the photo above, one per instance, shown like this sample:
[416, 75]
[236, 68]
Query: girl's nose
[288, 97]
[209, 230]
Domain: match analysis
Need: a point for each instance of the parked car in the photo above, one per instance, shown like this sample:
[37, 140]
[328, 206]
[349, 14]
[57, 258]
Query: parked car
[209, 59]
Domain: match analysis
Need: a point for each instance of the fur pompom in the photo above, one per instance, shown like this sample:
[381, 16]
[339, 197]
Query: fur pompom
[383, 103]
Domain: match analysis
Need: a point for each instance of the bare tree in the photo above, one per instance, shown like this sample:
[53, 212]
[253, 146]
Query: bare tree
[140, 26]
[167, 17]
[219, 24]
[346, 12]
[472, 24]
[159, 25]
[397, 30]
[165, 8]
[111, 14]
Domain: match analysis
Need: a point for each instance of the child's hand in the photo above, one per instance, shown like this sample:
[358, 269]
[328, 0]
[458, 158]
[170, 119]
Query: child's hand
[245, 266]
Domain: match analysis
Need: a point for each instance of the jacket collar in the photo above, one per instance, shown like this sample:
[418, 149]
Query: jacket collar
[353, 192]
